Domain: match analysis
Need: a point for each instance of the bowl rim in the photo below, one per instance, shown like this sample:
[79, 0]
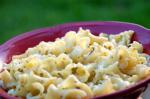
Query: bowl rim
[85, 23]
[62, 26]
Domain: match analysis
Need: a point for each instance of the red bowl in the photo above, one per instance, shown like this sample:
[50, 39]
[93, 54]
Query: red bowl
[19, 44]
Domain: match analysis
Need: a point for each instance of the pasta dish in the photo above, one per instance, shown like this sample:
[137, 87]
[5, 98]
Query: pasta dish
[79, 65]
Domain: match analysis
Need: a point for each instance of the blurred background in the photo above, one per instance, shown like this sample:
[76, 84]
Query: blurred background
[18, 16]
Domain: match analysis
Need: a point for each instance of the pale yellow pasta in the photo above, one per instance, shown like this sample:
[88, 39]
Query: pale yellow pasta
[70, 82]
[74, 94]
[78, 70]
[81, 73]
[49, 63]
[112, 69]
[42, 72]
[85, 88]
[77, 53]
[6, 77]
[136, 46]
[141, 70]
[97, 39]
[53, 93]
[36, 89]
[62, 61]
[105, 88]
[79, 65]
[41, 96]
[23, 79]
[119, 83]
[70, 39]
[123, 38]
[20, 91]
[83, 42]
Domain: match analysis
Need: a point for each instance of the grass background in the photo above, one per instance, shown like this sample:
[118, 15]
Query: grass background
[18, 16]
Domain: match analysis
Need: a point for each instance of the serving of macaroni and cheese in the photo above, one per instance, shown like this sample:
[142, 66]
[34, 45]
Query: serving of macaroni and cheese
[79, 65]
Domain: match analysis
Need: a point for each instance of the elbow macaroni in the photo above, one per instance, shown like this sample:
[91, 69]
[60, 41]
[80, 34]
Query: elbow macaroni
[77, 66]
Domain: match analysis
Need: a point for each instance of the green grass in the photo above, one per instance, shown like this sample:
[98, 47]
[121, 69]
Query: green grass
[18, 16]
